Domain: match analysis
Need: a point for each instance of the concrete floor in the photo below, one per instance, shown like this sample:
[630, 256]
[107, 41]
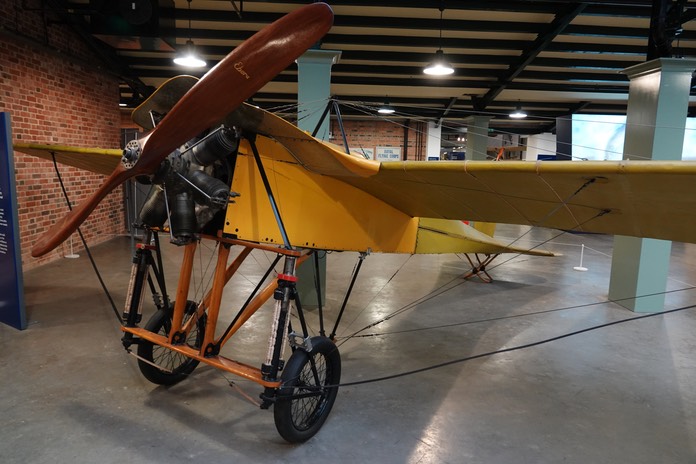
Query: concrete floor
[626, 393]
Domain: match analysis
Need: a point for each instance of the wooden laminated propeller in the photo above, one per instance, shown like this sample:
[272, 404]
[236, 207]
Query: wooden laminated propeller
[234, 79]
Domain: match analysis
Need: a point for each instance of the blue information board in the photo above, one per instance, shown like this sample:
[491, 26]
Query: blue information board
[12, 311]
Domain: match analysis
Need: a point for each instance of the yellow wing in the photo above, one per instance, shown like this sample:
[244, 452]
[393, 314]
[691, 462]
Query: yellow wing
[450, 236]
[99, 160]
[322, 211]
[642, 199]
[637, 198]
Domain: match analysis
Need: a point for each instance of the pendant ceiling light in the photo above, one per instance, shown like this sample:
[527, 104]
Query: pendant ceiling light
[439, 66]
[386, 108]
[187, 55]
[519, 113]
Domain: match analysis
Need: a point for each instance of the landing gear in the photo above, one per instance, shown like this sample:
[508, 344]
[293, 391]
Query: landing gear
[161, 365]
[179, 336]
[308, 391]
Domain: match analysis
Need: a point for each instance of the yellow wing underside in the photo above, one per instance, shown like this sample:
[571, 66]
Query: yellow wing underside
[99, 160]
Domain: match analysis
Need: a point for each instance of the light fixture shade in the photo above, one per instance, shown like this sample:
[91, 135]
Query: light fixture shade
[188, 57]
[519, 113]
[386, 109]
[439, 66]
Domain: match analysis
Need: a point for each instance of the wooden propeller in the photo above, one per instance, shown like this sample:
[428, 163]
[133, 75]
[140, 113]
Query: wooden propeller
[234, 79]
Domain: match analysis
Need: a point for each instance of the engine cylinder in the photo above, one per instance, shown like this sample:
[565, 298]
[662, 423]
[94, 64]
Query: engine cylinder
[154, 210]
[216, 189]
[183, 218]
[217, 145]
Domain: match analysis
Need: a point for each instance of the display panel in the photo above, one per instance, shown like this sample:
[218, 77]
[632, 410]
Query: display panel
[12, 311]
[601, 137]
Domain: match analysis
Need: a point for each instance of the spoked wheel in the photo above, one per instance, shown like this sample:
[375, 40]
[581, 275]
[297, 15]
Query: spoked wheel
[173, 367]
[303, 402]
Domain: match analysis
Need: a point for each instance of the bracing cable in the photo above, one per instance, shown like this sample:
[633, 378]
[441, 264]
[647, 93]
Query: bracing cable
[515, 316]
[445, 287]
[84, 243]
[512, 348]
[373, 298]
[500, 351]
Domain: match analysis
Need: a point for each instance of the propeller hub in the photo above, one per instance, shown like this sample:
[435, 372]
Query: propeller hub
[131, 154]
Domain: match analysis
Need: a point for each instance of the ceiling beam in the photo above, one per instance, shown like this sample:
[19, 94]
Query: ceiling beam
[395, 71]
[251, 20]
[603, 7]
[559, 23]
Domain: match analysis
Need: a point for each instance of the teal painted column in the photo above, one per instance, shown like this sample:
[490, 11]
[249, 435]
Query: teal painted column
[477, 137]
[314, 89]
[658, 100]
[313, 92]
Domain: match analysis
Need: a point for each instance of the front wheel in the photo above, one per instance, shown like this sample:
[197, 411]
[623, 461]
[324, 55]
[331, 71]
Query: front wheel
[173, 367]
[308, 391]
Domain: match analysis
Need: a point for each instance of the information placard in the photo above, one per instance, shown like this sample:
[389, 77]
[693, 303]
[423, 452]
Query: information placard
[12, 310]
[388, 154]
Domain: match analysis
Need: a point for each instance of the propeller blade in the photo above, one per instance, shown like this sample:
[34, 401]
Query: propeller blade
[234, 79]
[61, 230]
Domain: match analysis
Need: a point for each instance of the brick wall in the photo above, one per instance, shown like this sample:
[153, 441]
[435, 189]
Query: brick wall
[383, 133]
[54, 92]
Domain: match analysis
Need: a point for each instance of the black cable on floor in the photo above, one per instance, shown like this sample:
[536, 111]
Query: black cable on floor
[514, 316]
[84, 243]
[506, 350]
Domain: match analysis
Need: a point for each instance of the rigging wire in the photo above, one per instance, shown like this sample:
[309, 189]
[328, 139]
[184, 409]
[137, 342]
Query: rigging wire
[516, 316]
[508, 350]
[437, 292]
[369, 110]
[84, 242]
[439, 289]
[378, 292]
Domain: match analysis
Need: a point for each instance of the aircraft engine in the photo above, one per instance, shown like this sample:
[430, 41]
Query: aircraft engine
[192, 185]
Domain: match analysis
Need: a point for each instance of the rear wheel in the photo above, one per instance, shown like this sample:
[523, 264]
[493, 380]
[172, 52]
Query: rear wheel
[304, 400]
[173, 367]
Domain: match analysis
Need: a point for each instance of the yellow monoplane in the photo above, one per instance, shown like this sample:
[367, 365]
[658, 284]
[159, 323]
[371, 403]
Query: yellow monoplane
[236, 175]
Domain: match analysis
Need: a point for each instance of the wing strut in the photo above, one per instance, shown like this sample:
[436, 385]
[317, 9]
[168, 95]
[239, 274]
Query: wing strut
[362, 257]
[279, 220]
[333, 103]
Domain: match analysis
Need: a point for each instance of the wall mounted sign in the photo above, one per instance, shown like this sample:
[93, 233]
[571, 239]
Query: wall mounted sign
[12, 310]
[388, 154]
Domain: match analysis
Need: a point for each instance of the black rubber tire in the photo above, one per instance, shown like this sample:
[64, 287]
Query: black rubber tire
[179, 365]
[299, 419]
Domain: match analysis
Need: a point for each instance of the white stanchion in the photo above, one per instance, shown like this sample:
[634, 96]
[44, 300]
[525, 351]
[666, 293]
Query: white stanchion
[581, 268]
[72, 255]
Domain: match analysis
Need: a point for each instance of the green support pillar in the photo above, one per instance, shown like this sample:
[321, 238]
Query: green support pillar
[313, 92]
[477, 137]
[656, 118]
